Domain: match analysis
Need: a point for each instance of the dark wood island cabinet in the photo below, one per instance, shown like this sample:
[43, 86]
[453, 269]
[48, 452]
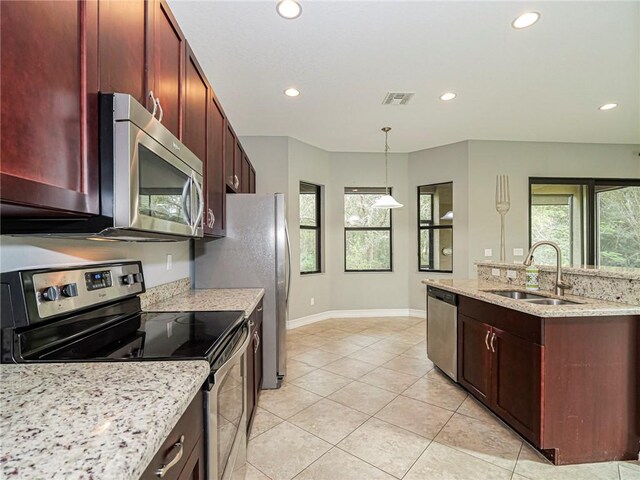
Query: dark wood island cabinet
[569, 385]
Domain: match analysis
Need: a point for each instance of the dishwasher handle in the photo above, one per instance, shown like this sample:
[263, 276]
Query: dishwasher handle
[443, 295]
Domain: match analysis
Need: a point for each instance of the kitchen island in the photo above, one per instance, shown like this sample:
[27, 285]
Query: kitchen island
[98, 420]
[566, 377]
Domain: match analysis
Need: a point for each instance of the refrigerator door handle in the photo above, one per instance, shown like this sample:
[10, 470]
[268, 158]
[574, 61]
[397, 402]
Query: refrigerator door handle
[286, 234]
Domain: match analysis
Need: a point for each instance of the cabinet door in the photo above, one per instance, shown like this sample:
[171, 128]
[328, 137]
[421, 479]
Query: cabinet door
[517, 378]
[474, 357]
[49, 108]
[123, 48]
[167, 48]
[194, 466]
[196, 101]
[246, 169]
[229, 159]
[214, 172]
[252, 180]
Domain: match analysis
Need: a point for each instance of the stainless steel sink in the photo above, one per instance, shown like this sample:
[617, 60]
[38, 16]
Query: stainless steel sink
[551, 301]
[516, 295]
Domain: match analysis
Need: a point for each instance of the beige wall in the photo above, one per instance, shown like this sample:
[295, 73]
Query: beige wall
[19, 253]
[471, 165]
[449, 163]
[521, 160]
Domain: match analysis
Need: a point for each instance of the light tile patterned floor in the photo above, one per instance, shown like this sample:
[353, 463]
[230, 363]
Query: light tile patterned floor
[362, 402]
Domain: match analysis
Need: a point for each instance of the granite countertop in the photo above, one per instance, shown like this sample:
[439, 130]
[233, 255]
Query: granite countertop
[96, 421]
[585, 307]
[211, 299]
[590, 270]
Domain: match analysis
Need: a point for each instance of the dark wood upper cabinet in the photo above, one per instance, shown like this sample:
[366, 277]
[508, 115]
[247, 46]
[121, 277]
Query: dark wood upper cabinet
[246, 174]
[49, 86]
[123, 47]
[252, 180]
[196, 102]
[238, 157]
[232, 180]
[214, 171]
[167, 49]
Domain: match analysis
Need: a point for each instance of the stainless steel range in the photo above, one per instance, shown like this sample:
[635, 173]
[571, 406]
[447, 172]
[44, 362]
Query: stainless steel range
[92, 313]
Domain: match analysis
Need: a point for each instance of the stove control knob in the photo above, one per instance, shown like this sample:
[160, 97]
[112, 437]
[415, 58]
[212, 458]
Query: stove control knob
[51, 294]
[129, 279]
[69, 290]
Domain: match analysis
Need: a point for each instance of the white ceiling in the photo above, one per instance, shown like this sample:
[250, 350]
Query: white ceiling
[544, 83]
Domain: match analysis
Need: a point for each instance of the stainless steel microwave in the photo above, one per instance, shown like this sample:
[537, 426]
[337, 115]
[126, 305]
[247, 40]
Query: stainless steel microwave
[157, 181]
[150, 184]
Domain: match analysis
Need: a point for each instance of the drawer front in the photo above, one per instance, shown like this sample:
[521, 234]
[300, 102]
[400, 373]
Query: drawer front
[191, 427]
[516, 323]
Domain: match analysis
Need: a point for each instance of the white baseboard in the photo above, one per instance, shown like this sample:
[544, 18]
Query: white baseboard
[390, 312]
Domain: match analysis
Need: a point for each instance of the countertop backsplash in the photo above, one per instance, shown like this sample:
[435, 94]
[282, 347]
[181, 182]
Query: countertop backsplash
[610, 284]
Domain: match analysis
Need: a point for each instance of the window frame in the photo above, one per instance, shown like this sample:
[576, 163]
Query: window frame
[369, 229]
[591, 227]
[431, 228]
[317, 228]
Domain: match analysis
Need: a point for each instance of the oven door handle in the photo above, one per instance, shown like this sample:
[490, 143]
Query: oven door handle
[222, 371]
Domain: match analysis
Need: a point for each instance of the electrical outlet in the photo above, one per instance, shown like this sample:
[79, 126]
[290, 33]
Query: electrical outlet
[488, 252]
[512, 274]
[312, 301]
[518, 252]
[495, 272]
[169, 262]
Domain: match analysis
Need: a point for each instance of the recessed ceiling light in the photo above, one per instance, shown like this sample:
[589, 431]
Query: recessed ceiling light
[526, 20]
[289, 9]
[292, 92]
[448, 96]
[608, 106]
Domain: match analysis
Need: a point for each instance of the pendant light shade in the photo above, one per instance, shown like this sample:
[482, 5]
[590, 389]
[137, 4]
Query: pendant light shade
[386, 201]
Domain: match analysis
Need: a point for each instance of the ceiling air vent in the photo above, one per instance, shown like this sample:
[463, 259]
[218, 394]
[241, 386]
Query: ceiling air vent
[397, 98]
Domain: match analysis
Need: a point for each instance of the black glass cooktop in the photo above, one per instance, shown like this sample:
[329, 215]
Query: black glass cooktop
[141, 336]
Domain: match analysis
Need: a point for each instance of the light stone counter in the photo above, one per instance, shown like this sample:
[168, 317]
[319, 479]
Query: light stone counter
[211, 299]
[585, 307]
[100, 421]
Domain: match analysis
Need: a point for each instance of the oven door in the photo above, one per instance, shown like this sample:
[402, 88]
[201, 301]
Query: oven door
[154, 190]
[226, 408]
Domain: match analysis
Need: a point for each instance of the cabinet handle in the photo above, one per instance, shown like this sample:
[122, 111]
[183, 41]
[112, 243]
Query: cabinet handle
[154, 103]
[251, 323]
[493, 337]
[236, 182]
[259, 309]
[255, 349]
[159, 108]
[213, 219]
[161, 472]
[486, 339]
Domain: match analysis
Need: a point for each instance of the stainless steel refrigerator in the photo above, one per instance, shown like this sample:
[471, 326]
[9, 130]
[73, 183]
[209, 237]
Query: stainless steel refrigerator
[255, 253]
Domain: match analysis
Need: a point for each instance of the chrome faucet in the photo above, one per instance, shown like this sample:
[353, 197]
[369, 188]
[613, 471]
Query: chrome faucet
[560, 285]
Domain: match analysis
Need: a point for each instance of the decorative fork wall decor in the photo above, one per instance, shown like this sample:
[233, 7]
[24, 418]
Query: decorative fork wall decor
[503, 204]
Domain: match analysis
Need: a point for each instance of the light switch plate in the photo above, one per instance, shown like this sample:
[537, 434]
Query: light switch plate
[512, 274]
[495, 272]
[518, 252]
[488, 252]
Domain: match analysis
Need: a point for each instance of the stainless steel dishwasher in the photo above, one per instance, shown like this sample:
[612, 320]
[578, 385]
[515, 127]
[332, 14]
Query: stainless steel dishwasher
[442, 330]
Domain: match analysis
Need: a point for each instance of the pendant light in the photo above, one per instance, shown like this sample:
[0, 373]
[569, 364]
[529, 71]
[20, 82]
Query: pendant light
[386, 201]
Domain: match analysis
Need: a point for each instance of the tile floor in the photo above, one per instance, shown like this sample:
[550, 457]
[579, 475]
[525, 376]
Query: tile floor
[362, 402]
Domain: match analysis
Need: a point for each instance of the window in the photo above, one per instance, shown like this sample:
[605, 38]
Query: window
[435, 228]
[594, 221]
[310, 228]
[367, 231]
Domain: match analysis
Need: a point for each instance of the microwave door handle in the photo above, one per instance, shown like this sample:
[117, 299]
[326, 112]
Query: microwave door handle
[185, 205]
[200, 202]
